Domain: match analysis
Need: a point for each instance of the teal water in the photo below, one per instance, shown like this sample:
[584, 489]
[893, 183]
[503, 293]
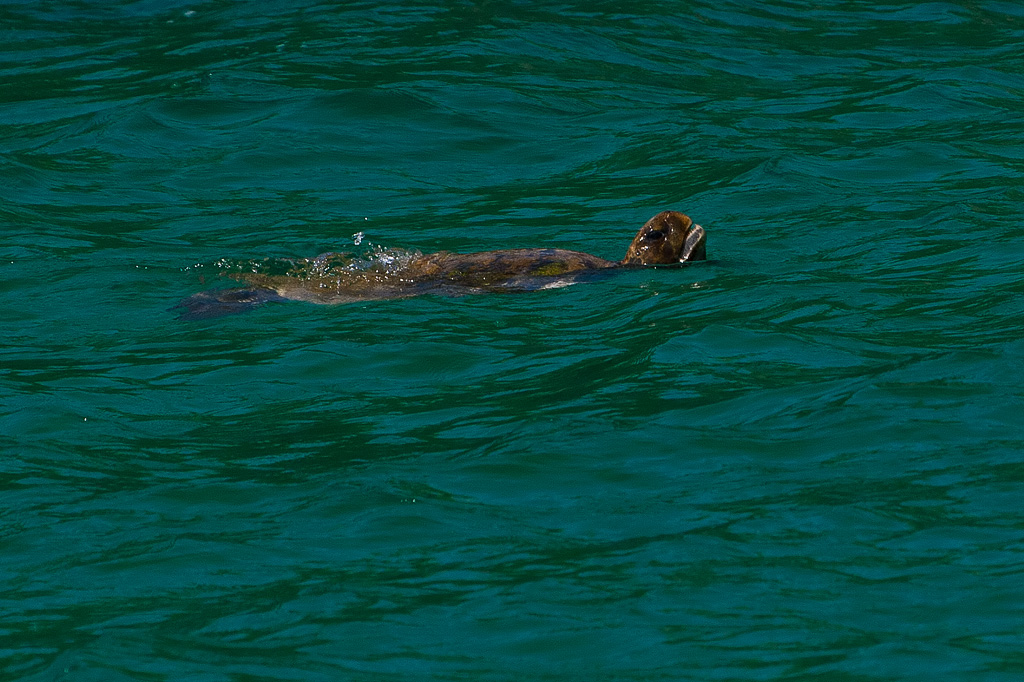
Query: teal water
[801, 460]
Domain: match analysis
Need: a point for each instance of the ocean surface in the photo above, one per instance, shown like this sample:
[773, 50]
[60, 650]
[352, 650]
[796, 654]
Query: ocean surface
[800, 460]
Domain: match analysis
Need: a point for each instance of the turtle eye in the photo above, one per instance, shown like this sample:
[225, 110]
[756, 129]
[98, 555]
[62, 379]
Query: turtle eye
[655, 234]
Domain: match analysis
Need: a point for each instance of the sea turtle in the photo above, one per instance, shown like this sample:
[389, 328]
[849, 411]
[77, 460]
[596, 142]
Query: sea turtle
[668, 238]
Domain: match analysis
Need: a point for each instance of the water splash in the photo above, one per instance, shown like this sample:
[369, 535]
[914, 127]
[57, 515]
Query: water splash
[374, 260]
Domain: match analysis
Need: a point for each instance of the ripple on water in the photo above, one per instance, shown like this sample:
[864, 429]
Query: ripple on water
[799, 460]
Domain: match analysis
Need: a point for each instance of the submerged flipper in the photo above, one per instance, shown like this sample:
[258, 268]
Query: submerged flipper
[207, 305]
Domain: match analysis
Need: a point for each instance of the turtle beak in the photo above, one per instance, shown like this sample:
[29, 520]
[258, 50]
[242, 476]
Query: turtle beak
[694, 246]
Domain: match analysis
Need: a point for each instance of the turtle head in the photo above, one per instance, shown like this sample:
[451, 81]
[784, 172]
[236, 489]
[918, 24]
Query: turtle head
[669, 237]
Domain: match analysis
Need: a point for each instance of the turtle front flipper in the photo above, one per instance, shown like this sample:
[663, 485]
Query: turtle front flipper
[207, 305]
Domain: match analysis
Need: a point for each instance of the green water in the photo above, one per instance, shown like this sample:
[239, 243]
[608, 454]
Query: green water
[801, 460]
